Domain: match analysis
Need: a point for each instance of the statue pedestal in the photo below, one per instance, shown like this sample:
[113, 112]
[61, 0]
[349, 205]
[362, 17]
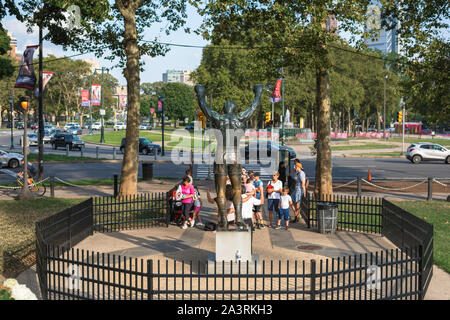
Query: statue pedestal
[233, 251]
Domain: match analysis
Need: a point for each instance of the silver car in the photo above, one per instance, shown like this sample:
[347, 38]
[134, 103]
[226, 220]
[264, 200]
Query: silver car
[10, 159]
[427, 151]
[32, 139]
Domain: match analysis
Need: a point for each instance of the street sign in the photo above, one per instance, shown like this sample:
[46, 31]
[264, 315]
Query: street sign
[102, 112]
[11, 100]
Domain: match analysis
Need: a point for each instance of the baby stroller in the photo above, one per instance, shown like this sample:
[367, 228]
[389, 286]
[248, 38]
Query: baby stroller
[175, 206]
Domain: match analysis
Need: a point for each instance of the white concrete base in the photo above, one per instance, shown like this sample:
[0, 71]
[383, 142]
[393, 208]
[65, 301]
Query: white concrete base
[233, 266]
[233, 251]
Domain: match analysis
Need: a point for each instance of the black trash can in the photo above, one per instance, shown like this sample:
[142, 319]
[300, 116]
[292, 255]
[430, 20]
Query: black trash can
[147, 171]
[327, 214]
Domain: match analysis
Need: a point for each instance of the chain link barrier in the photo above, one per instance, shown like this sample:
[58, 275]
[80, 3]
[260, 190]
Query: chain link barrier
[442, 184]
[344, 185]
[394, 189]
[20, 187]
[68, 183]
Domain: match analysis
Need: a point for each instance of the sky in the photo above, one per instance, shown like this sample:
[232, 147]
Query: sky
[176, 59]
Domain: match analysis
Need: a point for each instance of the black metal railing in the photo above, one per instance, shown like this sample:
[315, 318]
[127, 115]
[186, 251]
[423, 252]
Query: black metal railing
[79, 274]
[408, 231]
[130, 212]
[65, 273]
[363, 214]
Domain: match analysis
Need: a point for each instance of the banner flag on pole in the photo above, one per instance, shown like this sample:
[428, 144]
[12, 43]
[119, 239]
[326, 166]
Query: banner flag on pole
[96, 95]
[123, 100]
[26, 78]
[85, 97]
[46, 76]
[159, 106]
[276, 94]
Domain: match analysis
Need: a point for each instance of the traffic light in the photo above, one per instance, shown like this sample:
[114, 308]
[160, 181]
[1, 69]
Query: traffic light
[268, 117]
[400, 116]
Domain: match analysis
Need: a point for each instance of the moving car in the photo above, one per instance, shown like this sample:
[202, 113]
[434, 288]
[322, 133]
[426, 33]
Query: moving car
[62, 140]
[32, 139]
[74, 130]
[120, 126]
[145, 126]
[47, 136]
[96, 126]
[70, 124]
[254, 148]
[10, 159]
[145, 147]
[427, 151]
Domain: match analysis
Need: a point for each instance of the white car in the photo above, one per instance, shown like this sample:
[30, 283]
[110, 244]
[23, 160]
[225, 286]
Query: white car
[96, 126]
[418, 152]
[9, 159]
[70, 124]
[120, 126]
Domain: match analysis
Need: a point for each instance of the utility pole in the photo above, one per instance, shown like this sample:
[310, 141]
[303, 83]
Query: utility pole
[282, 103]
[102, 136]
[90, 105]
[402, 103]
[161, 98]
[384, 106]
[11, 104]
[40, 110]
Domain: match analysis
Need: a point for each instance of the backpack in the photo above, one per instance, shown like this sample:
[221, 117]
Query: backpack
[210, 226]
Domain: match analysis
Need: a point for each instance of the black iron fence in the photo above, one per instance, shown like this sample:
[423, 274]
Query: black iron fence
[66, 273]
[79, 274]
[408, 231]
[130, 212]
[362, 214]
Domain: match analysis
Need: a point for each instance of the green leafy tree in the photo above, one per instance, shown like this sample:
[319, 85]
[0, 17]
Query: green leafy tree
[117, 27]
[179, 101]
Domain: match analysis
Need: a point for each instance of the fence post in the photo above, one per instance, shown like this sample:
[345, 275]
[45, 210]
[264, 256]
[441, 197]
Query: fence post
[81, 151]
[430, 189]
[358, 193]
[421, 295]
[96, 151]
[313, 279]
[114, 153]
[67, 150]
[168, 210]
[116, 187]
[52, 186]
[150, 279]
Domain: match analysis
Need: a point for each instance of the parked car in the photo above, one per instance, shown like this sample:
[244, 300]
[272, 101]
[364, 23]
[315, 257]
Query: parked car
[47, 136]
[145, 126]
[255, 148]
[120, 126]
[10, 159]
[62, 140]
[190, 128]
[418, 152]
[19, 125]
[145, 146]
[70, 124]
[97, 126]
[32, 139]
[74, 130]
[87, 125]
[34, 126]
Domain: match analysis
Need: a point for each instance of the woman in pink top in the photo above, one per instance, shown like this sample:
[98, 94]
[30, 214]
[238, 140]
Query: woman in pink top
[187, 200]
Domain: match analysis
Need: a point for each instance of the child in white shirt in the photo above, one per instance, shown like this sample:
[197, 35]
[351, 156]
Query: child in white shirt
[283, 208]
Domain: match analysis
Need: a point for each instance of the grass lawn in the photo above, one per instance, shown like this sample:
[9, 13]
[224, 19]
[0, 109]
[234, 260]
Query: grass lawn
[115, 137]
[442, 142]
[370, 145]
[32, 157]
[384, 154]
[438, 214]
[18, 218]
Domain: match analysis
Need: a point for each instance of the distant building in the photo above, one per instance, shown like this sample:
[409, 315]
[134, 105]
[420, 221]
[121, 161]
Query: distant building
[94, 64]
[13, 52]
[386, 41]
[178, 76]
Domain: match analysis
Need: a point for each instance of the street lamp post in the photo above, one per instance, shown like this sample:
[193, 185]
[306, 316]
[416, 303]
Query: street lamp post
[25, 193]
[384, 106]
[11, 102]
[162, 98]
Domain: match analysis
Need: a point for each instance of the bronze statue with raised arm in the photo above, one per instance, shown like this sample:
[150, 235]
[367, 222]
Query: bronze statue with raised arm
[226, 123]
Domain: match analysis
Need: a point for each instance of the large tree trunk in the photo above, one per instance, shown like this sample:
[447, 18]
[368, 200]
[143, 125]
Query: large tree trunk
[324, 180]
[129, 177]
[378, 122]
